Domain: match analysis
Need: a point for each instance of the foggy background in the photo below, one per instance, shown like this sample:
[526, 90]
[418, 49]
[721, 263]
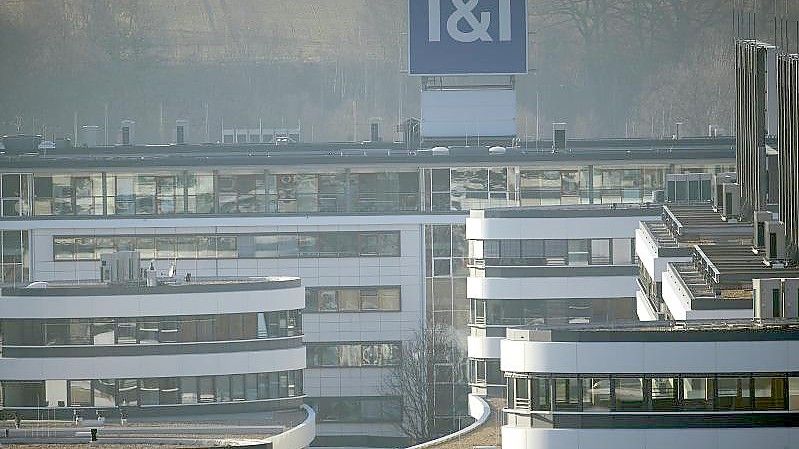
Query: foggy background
[607, 67]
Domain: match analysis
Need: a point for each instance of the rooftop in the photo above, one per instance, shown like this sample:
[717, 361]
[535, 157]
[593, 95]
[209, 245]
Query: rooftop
[684, 226]
[369, 153]
[196, 285]
[233, 430]
[569, 211]
[694, 330]
[725, 272]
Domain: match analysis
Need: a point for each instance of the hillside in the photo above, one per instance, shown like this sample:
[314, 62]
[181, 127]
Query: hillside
[608, 68]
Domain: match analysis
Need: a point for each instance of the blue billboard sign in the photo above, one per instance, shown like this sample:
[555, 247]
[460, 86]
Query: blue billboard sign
[467, 37]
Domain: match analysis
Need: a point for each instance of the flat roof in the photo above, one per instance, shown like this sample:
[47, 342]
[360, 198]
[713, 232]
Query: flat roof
[570, 211]
[179, 285]
[662, 331]
[372, 153]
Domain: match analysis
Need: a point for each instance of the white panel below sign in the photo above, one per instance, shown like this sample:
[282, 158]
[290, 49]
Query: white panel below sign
[469, 113]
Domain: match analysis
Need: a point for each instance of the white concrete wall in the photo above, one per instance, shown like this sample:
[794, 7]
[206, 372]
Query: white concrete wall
[679, 303]
[551, 287]
[179, 365]
[649, 357]
[144, 304]
[652, 262]
[483, 347]
[723, 438]
[298, 437]
[553, 228]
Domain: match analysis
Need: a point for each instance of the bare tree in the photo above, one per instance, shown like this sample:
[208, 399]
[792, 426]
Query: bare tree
[413, 378]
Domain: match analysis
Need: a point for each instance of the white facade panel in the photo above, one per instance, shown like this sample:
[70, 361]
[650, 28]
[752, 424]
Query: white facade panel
[643, 308]
[553, 228]
[178, 365]
[719, 438]
[168, 304]
[468, 113]
[483, 347]
[551, 287]
[649, 357]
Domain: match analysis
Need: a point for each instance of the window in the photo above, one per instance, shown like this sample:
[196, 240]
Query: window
[169, 393]
[600, 252]
[578, 252]
[188, 390]
[540, 393]
[104, 391]
[222, 388]
[128, 392]
[769, 393]
[697, 393]
[149, 391]
[793, 393]
[567, 393]
[622, 252]
[80, 393]
[205, 386]
[733, 393]
[596, 394]
[521, 391]
[629, 393]
[664, 393]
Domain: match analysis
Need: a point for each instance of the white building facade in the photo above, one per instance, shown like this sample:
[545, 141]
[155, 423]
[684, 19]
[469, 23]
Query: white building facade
[704, 385]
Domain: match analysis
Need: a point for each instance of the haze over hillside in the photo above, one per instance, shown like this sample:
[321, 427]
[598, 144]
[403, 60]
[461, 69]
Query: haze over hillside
[608, 68]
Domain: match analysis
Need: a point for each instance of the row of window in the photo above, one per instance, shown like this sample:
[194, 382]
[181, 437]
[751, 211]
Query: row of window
[654, 393]
[575, 252]
[208, 193]
[514, 312]
[357, 409]
[261, 246]
[459, 188]
[353, 299]
[474, 188]
[151, 330]
[322, 355]
[110, 393]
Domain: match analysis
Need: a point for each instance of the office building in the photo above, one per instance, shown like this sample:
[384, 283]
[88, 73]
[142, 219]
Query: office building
[709, 385]
[547, 265]
[376, 233]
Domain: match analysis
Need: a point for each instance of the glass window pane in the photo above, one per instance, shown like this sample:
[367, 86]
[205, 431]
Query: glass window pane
[389, 299]
[104, 392]
[793, 393]
[596, 394]
[205, 386]
[188, 390]
[149, 391]
[222, 388]
[622, 252]
[734, 393]
[697, 393]
[664, 394]
[578, 252]
[769, 393]
[600, 252]
[567, 393]
[128, 392]
[629, 393]
[349, 300]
